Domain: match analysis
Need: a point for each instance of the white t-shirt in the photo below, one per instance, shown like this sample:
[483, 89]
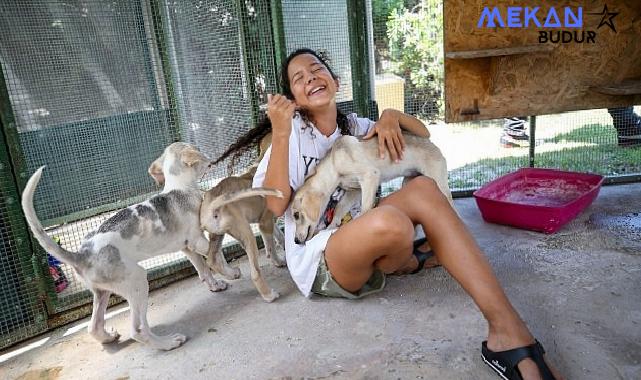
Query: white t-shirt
[307, 146]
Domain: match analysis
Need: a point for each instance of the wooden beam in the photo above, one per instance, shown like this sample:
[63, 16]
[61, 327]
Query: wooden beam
[628, 87]
[499, 52]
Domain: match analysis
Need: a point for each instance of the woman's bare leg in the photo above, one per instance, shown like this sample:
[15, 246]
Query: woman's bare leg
[385, 237]
[381, 234]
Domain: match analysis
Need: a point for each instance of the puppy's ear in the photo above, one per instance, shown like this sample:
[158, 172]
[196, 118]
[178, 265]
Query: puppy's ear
[155, 171]
[191, 157]
[311, 205]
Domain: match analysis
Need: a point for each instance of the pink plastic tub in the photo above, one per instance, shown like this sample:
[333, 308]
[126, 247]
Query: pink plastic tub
[537, 199]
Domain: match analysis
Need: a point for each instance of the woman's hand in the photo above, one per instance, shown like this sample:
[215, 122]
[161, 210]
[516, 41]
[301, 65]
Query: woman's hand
[280, 111]
[389, 134]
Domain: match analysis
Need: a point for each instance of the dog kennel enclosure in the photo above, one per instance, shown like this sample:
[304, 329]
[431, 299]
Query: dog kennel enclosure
[96, 89]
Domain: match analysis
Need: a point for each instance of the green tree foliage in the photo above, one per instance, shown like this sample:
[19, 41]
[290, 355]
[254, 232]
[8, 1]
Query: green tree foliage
[414, 42]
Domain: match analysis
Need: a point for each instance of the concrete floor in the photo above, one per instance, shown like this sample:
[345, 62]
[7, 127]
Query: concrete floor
[578, 290]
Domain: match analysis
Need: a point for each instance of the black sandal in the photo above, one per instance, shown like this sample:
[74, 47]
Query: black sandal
[421, 256]
[505, 362]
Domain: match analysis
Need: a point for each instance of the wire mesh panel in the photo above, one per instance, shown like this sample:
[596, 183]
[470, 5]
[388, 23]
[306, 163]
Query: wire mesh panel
[83, 92]
[22, 315]
[87, 98]
[223, 64]
[599, 141]
[323, 27]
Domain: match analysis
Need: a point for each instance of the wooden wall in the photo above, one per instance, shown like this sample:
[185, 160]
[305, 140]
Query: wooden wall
[498, 72]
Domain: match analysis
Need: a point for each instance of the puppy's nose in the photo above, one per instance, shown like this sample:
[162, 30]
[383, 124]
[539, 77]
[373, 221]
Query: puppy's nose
[296, 240]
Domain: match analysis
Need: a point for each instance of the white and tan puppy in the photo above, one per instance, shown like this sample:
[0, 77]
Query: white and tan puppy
[229, 208]
[107, 261]
[354, 164]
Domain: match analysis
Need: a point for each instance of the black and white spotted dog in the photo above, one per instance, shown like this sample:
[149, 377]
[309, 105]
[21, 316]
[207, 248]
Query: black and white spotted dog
[108, 259]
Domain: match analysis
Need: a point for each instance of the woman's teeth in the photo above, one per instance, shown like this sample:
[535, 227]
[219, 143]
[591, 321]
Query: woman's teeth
[317, 89]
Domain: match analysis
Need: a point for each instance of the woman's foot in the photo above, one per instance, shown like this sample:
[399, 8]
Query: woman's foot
[413, 262]
[431, 262]
[519, 336]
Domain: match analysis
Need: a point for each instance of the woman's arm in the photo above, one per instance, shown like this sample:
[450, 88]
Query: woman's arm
[407, 122]
[277, 175]
[280, 111]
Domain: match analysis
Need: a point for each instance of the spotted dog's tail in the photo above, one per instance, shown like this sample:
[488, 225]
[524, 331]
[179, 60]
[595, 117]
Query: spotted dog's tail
[45, 240]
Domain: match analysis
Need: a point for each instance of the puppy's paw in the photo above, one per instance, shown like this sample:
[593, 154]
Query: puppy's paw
[107, 337]
[271, 296]
[233, 274]
[112, 336]
[277, 259]
[278, 262]
[170, 342]
[215, 285]
[227, 271]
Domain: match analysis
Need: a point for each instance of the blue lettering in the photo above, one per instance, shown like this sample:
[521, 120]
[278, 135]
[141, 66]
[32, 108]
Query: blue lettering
[577, 20]
[494, 15]
[514, 17]
[523, 17]
[530, 15]
[552, 14]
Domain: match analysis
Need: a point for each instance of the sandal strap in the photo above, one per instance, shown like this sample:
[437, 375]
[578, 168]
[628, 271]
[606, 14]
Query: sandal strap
[507, 361]
[421, 256]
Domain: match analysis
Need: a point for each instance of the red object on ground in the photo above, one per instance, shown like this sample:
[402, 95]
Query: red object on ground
[537, 199]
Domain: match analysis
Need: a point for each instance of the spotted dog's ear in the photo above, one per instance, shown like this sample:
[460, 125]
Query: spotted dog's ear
[155, 170]
[191, 157]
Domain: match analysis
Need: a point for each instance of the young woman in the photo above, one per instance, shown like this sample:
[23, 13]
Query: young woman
[305, 122]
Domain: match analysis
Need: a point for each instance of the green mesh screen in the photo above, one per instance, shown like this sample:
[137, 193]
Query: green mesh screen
[87, 103]
[321, 26]
[222, 59]
[84, 83]
[22, 315]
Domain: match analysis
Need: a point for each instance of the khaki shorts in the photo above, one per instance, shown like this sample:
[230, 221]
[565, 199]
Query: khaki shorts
[325, 285]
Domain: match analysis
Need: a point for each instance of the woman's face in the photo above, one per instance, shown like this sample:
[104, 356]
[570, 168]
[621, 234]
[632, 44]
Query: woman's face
[311, 82]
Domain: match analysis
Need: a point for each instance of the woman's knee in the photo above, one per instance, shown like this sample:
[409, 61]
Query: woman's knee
[422, 189]
[423, 183]
[391, 225]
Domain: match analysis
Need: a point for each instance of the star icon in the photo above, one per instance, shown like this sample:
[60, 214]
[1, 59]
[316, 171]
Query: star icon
[607, 18]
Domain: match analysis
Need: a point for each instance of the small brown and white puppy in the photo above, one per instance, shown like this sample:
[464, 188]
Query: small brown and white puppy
[229, 208]
[107, 261]
[355, 164]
